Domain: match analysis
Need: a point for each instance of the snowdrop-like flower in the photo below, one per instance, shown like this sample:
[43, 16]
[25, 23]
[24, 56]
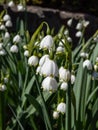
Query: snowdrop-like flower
[73, 79]
[11, 4]
[64, 86]
[8, 23]
[20, 7]
[2, 52]
[38, 70]
[61, 107]
[60, 49]
[64, 74]
[55, 115]
[79, 26]
[96, 59]
[17, 39]
[42, 60]
[26, 53]
[7, 35]
[49, 84]
[69, 22]
[2, 27]
[1, 46]
[47, 42]
[2, 87]
[95, 67]
[6, 17]
[84, 55]
[33, 61]
[69, 39]
[14, 49]
[85, 23]
[49, 68]
[87, 63]
[66, 32]
[78, 34]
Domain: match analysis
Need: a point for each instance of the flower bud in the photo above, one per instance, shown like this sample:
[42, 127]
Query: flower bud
[55, 115]
[84, 55]
[7, 35]
[2, 27]
[2, 87]
[73, 79]
[61, 108]
[20, 7]
[79, 26]
[49, 84]
[33, 61]
[2, 52]
[14, 49]
[26, 53]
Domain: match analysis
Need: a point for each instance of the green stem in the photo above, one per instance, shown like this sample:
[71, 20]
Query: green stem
[2, 112]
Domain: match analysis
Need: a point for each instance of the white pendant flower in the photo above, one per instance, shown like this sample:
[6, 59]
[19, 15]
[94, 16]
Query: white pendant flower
[8, 23]
[79, 26]
[61, 107]
[60, 49]
[64, 86]
[2, 27]
[33, 61]
[84, 55]
[73, 79]
[14, 49]
[55, 115]
[17, 39]
[6, 17]
[11, 4]
[20, 7]
[69, 22]
[49, 84]
[7, 35]
[26, 53]
[2, 52]
[2, 87]
[64, 74]
[43, 59]
[78, 34]
[49, 68]
[87, 63]
[47, 42]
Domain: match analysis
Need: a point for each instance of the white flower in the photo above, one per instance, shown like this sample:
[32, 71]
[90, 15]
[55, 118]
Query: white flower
[33, 61]
[66, 32]
[38, 70]
[2, 27]
[26, 53]
[2, 87]
[69, 39]
[64, 86]
[55, 115]
[49, 84]
[1, 46]
[47, 42]
[60, 49]
[73, 79]
[8, 23]
[84, 55]
[17, 39]
[69, 22]
[7, 35]
[11, 4]
[85, 23]
[95, 67]
[79, 26]
[49, 68]
[42, 59]
[20, 7]
[96, 59]
[6, 17]
[14, 49]
[61, 107]
[2, 52]
[64, 74]
[87, 63]
[78, 34]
